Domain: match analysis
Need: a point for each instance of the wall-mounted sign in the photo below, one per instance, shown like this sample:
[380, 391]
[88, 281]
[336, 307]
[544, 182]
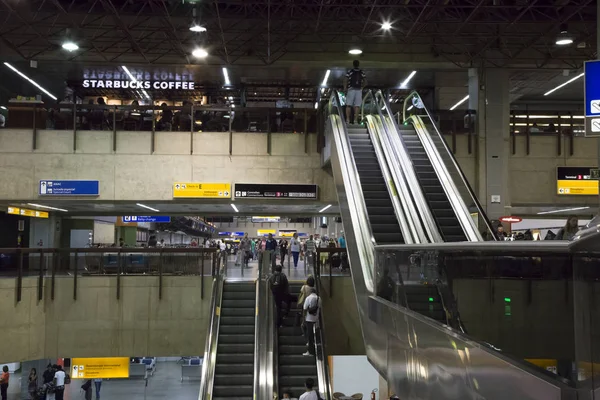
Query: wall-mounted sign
[265, 232]
[510, 219]
[275, 191]
[200, 190]
[27, 213]
[69, 188]
[592, 97]
[576, 181]
[238, 234]
[265, 219]
[105, 368]
[287, 232]
[146, 218]
[129, 84]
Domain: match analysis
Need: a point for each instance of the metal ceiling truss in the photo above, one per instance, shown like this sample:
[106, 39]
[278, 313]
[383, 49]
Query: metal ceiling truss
[466, 33]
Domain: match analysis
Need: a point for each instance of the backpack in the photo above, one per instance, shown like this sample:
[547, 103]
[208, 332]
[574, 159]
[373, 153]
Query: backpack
[277, 283]
[355, 79]
[67, 379]
[312, 310]
[86, 385]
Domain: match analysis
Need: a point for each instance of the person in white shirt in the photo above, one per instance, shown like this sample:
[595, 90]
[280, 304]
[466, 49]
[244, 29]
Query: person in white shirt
[312, 307]
[59, 383]
[310, 393]
[295, 248]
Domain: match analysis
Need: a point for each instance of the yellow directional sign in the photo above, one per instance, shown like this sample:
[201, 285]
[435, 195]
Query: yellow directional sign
[93, 368]
[27, 213]
[198, 190]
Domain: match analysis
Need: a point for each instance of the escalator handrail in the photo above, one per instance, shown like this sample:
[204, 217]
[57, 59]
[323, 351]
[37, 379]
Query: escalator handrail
[457, 168]
[413, 182]
[456, 201]
[364, 237]
[321, 356]
[382, 150]
[212, 338]
[257, 341]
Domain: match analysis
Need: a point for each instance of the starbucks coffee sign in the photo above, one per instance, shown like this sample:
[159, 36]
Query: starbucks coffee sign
[138, 84]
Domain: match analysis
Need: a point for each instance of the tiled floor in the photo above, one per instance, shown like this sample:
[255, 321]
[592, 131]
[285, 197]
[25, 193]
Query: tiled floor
[164, 384]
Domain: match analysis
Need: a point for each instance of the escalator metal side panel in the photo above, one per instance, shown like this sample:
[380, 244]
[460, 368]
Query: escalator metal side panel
[212, 340]
[460, 208]
[397, 193]
[425, 360]
[263, 343]
[360, 254]
[322, 362]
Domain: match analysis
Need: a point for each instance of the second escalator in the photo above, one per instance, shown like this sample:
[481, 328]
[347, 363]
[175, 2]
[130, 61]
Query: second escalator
[380, 209]
[437, 199]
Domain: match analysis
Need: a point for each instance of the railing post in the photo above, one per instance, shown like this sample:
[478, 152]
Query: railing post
[114, 124]
[76, 272]
[305, 131]
[41, 276]
[330, 278]
[119, 275]
[202, 254]
[571, 144]
[513, 138]
[55, 264]
[34, 127]
[192, 130]
[268, 131]
[20, 276]
[153, 135]
[74, 127]
[230, 142]
[160, 274]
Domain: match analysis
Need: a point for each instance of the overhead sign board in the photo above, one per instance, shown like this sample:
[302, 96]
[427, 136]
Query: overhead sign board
[95, 368]
[50, 187]
[275, 191]
[231, 234]
[592, 97]
[265, 219]
[201, 190]
[146, 218]
[510, 219]
[576, 181]
[287, 232]
[27, 213]
[265, 232]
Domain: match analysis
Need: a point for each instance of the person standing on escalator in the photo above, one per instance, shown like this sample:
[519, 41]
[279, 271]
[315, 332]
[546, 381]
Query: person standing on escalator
[354, 83]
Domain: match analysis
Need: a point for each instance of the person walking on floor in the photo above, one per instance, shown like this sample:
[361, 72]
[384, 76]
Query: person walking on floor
[98, 385]
[295, 248]
[59, 383]
[32, 383]
[4, 378]
[244, 250]
[280, 288]
[311, 252]
[87, 389]
[283, 246]
[312, 305]
[270, 248]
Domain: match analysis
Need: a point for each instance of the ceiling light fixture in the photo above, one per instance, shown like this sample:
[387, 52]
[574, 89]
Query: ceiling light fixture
[408, 78]
[70, 46]
[47, 207]
[34, 83]
[460, 102]
[386, 26]
[195, 26]
[325, 208]
[564, 84]
[324, 83]
[226, 76]
[199, 53]
[563, 37]
[235, 208]
[4, 108]
[563, 210]
[355, 52]
[316, 105]
[147, 207]
[410, 108]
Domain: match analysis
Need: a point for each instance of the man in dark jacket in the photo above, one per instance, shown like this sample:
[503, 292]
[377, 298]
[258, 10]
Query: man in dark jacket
[281, 292]
[270, 248]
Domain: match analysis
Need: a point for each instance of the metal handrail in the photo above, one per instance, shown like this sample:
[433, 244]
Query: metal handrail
[462, 176]
[321, 356]
[257, 341]
[212, 338]
[396, 186]
[353, 190]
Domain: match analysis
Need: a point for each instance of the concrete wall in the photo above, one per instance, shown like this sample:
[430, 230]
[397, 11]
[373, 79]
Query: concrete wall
[97, 324]
[133, 173]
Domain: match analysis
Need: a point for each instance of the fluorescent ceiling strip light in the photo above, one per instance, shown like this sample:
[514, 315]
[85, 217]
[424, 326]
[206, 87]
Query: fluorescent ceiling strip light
[460, 102]
[134, 80]
[324, 83]
[226, 76]
[564, 84]
[47, 207]
[325, 208]
[34, 83]
[147, 207]
[4, 108]
[563, 210]
[410, 108]
[234, 207]
[408, 79]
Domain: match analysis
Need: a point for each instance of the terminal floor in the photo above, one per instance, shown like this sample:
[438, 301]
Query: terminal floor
[300, 273]
[164, 384]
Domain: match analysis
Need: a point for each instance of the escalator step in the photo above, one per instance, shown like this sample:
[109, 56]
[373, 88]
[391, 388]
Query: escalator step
[235, 348]
[378, 202]
[238, 287]
[294, 340]
[237, 379]
[239, 296]
[237, 329]
[292, 349]
[374, 187]
[387, 238]
[381, 210]
[223, 359]
[301, 370]
[221, 369]
[237, 321]
[237, 312]
[233, 391]
[235, 339]
[295, 381]
[298, 359]
[238, 303]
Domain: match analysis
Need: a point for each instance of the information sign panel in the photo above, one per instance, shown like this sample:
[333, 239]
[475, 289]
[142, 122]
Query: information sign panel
[576, 181]
[105, 368]
[592, 97]
[50, 187]
[275, 191]
[147, 218]
[27, 213]
[201, 190]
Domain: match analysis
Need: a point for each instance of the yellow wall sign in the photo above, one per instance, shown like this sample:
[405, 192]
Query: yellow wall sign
[27, 213]
[265, 232]
[199, 190]
[107, 367]
[577, 181]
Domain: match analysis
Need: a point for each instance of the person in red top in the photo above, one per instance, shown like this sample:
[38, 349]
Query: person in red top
[4, 377]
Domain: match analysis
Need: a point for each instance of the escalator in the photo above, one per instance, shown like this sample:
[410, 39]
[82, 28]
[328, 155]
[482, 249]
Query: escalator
[447, 222]
[380, 209]
[234, 367]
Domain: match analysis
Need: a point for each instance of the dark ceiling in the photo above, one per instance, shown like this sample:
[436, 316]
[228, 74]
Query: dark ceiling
[267, 32]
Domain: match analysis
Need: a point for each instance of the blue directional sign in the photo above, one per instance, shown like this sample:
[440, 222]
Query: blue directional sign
[146, 218]
[50, 187]
[592, 97]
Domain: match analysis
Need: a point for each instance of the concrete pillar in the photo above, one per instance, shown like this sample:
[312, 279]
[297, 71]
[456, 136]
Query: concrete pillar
[489, 96]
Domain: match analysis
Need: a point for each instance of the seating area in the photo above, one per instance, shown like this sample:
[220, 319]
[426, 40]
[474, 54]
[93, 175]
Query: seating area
[139, 367]
[192, 368]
